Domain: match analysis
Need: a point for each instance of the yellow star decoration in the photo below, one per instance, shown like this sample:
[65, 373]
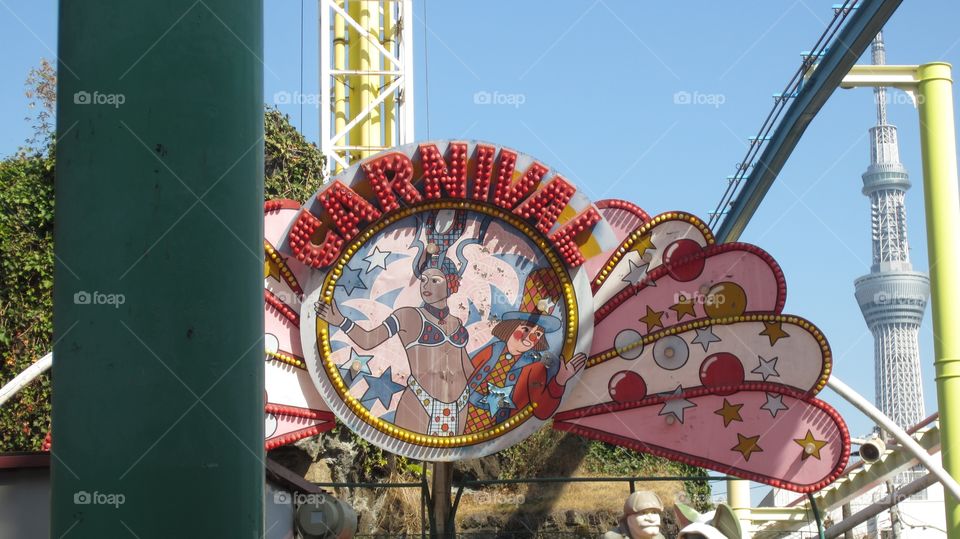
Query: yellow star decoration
[643, 244]
[652, 319]
[774, 331]
[811, 446]
[729, 412]
[747, 445]
[683, 307]
[271, 269]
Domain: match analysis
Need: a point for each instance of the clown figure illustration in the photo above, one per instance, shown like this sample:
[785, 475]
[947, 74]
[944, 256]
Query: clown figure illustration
[511, 372]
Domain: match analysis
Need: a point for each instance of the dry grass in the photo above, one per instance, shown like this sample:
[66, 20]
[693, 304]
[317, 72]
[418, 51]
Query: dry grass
[400, 511]
[556, 499]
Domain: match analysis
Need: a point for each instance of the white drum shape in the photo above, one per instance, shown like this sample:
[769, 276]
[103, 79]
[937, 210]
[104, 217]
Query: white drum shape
[671, 352]
[270, 425]
[629, 337]
[271, 343]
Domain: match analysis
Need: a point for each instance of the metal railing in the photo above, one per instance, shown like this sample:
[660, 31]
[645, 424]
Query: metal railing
[427, 527]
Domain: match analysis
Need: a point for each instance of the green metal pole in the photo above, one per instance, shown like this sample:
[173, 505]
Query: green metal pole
[158, 317]
[816, 514]
[942, 204]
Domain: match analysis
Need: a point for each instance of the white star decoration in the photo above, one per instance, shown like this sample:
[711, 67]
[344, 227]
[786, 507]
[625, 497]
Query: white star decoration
[676, 405]
[636, 272]
[774, 404]
[767, 368]
[361, 362]
[704, 337]
[546, 305]
[376, 259]
[498, 397]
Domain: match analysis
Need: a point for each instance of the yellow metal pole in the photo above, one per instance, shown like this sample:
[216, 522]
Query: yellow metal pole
[362, 49]
[339, 85]
[942, 204]
[354, 81]
[389, 104]
[370, 19]
[738, 498]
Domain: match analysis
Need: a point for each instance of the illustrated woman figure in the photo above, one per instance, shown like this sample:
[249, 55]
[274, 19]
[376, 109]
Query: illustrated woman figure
[510, 373]
[434, 340]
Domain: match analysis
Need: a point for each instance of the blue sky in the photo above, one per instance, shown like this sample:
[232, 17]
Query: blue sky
[597, 80]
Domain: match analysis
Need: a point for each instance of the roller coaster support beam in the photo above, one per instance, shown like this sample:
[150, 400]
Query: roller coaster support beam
[853, 39]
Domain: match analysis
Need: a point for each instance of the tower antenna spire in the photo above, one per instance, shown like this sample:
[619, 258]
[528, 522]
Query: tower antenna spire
[878, 54]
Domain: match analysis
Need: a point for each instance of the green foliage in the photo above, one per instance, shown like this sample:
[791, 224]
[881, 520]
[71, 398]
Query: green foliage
[411, 468]
[372, 460]
[607, 459]
[26, 283]
[532, 457]
[293, 167]
[26, 267]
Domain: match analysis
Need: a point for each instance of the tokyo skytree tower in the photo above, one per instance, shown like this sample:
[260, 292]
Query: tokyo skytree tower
[892, 296]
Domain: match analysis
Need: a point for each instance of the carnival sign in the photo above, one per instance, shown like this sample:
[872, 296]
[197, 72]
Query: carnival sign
[443, 300]
[447, 314]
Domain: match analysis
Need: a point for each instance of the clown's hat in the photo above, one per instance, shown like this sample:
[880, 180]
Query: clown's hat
[541, 295]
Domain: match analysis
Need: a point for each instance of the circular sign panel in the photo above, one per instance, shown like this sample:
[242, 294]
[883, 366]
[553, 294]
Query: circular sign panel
[450, 322]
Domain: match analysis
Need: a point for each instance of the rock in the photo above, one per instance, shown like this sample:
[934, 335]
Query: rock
[293, 458]
[311, 446]
[319, 472]
[471, 522]
[477, 469]
[494, 521]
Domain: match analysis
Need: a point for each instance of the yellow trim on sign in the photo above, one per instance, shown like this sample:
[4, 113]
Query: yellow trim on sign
[650, 338]
[637, 234]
